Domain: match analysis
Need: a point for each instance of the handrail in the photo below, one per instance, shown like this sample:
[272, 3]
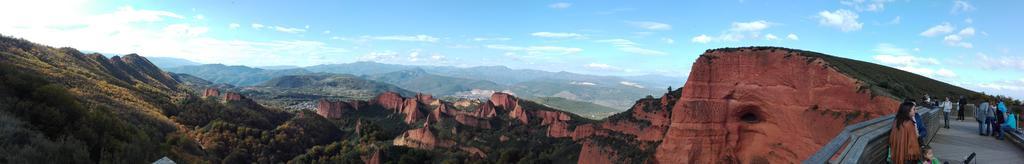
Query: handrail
[867, 139]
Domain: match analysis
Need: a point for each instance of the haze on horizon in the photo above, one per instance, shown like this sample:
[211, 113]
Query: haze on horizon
[972, 44]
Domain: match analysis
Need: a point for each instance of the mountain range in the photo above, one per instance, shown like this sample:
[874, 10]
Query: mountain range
[610, 91]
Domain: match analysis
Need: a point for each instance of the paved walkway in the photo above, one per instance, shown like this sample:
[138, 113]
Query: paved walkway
[957, 142]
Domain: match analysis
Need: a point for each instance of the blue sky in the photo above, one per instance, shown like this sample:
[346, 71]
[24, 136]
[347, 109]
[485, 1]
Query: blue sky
[975, 44]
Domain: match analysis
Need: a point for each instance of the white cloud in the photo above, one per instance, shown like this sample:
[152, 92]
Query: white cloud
[941, 29]
[479, 39]
[185, 30]
[556, 35]
[891, 55]
[902, 59]
[946, 73]
[967, 32]
[438, 57]
[961, 6]
[739, 31]
[560, 5]
[152, 33]
[538, 49]
[792, 36]
[234, 26]
[602, 67]
[843, 19]
[199, 17]
[866, 5]
[630, 47]
[753, 26]
[408, 38]
[257, 26]
[957, 41]
[701, 39]
[326, 32]
[668, 40]
[631, 84]
[414, 55]
[650, 25]
[968, 20]
[770, 37]
[1012, 62]
[288, 29]
[379, 56]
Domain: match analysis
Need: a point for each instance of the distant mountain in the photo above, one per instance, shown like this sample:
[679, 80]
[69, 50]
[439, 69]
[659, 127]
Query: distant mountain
[278, 67]
[419, 80]
[170, 62]
[234, 75]
[359, 68]
[612, 91]
[292, 90]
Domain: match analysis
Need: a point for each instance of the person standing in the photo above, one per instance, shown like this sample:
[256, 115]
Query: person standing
[946, 107]
[981, 115]
[960, 111]
[903, 141]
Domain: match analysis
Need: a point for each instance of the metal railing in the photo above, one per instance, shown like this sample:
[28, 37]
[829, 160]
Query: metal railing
[868, 141]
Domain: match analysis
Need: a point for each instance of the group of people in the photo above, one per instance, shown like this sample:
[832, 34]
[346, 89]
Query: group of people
[907, 136]
[993, 120]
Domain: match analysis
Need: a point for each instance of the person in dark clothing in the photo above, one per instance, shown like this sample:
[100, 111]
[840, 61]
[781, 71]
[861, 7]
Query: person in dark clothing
[960, 111]
[998, 124]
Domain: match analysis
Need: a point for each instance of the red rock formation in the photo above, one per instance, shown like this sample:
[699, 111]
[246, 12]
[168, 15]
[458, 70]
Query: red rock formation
[422, 138]
[389, 100]
[211, 92]
[412, 112]
[504, 100]
[438, 113]
[472, 121]
[742, 105]
[558, 129]
[485, 110]
[593, 154]
[519, 114]
[424, 98]
[332, 110]
[232, 96]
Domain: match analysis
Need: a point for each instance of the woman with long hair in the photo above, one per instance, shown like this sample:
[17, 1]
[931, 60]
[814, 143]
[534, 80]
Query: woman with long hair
[903, 142]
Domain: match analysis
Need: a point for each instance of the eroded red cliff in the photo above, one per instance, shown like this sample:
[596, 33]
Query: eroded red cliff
[768, 105]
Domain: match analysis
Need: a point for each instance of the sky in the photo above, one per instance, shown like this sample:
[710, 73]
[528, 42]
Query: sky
[973, 44]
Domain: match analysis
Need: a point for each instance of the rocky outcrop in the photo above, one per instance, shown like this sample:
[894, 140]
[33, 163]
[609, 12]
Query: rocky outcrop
[774, 105]
[519, 114]
[332, 110]
[233, 96]
[412, 112]
[504, 100]
[594, 154]
[424, 98]
[389, 100]
[211, 92]
[485, 110]
[556, 122]
[422, 138]
[472, 121]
